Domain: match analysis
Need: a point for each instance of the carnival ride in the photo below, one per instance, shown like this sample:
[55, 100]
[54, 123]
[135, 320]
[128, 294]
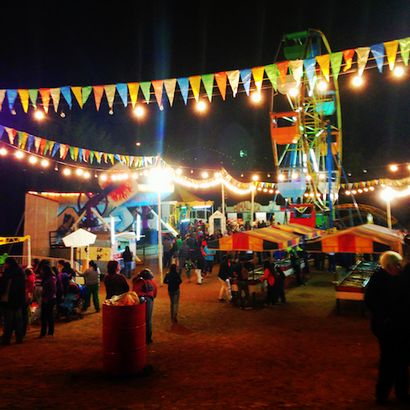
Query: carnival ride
[305, 124]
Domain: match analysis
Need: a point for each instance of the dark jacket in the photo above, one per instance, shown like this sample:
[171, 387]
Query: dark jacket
[382, 299]
[115, 284]
[173, 280]
[17, 290]
[49, 292]
[225, 270]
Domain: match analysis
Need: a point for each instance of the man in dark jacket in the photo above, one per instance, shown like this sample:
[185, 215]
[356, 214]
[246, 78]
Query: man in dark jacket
[13, 296]
[389, 323]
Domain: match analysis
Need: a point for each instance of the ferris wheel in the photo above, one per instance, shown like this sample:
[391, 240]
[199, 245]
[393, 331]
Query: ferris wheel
[306, 126]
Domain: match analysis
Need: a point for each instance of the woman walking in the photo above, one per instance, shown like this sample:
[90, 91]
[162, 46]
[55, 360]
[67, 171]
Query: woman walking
[173, 280]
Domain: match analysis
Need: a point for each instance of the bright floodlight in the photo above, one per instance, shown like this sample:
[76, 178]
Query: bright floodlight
[79, 171]
[398, 71]
[39, 115]
[67, 172]
[322, 85]
[387, 194]
[256, 97]
[160, 180]
[201, 106]
[45, 163]
[294, 92]
[357, 81]
[255, 177]
[103, 177]
[33, 160]
[138, 144]
[178, 171]
[139, 111]
[19, 154]
[3, 152]
[393, 168]
[204, 175]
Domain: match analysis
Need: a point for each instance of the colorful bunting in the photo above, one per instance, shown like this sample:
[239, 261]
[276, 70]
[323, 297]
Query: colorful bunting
[110, 94]
[246, 76]
[66, 91]
[362, 57]
[195, 82]
[45, 97]
[348, 56]
[123, 93]
[158, 90]
[133, 91]
[183, 84]
[257, 74]
[55, 96]
[220, 79]
[85, 93]
[404, 50]
[23, 94]
[98, 93]
[233, 77]
[208, 82]
[378, 54]
[11, 96]
[146, 90]
[296, 67]
[78, 95]
[391, 52]
[310, 65]
[2, 95]
[283, 70]
[33, 93]
[324, 64]
[336, 62]
[170, 89]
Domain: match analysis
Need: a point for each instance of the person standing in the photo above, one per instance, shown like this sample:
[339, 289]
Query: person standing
[223, 278]
[127, 258]
[280, 284]
[115, 284]
[389, 323]
[145, 286]
[208, 255]
[13, 299]
[173, 280]
[269, 276]
[92, 283]
[48, 300]
[30, 280]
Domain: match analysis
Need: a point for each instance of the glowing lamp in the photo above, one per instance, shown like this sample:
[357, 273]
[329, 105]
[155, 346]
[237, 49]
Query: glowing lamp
[398, 71]
[256, 97]
[79, 172]
[86, 175]
[294, 92]
[255, 178]
[357, 81]
[393, 168]
[201, 106]
[322, 85]
[45, 163]
[178, 171]
[67, 172]
[39, 115]
[387, 194]
[103, 177]
[139, 111]
[33, 160]
[19, 154]
[204, 175]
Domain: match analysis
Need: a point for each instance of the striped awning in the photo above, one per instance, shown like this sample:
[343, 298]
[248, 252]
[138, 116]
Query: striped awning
[258, 240]
[306, 232]
[366, 238]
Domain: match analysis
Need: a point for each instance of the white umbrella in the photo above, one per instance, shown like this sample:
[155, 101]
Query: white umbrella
[78, 239]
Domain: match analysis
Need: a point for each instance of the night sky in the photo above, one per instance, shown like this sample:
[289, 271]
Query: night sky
[99, 44]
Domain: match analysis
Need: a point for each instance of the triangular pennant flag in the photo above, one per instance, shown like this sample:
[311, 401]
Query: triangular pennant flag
[221, 79]
[208, 82]
[310, 68]
[157, 85]
[33, 93]
[336, 63]
[98, 93]
[63, 151]
[404, 51]
[77, 91]
[111, 158]
[80, 154]
[86, 154]
[123, 93]
[283, 70]
[183, 84]
[91, 157]
[11, 96]
[391, 52]
[233, 78]
[11, 132]
[296, 67]
[43, 143]
[71, 151]
[23, 136]
[170, 85]
[37, 142]
[55, 149]
[85, 93]
[133, 90]
[98, 156]
[132, 158]
[246, 76]
[55, 96]
[105, 156]
[76, 151]
[110, 94]
[324, 64]
[48, 146]
[2, 95]
[195, 81]
[362, 57]
[30, 141]
[378, 54]
[45, 97]
[23, 94]
[348, 57]
[66, 91]
[146, 90]
[257, 73]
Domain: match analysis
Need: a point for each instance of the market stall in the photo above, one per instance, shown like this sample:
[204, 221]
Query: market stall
[306, 232]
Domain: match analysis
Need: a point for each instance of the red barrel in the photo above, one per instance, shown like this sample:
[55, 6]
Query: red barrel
[124, 344]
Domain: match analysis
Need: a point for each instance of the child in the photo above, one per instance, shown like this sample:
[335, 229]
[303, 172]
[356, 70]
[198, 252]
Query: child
[189, 265]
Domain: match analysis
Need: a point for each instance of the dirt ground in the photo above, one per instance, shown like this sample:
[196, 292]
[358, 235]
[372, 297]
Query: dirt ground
[301, 355]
